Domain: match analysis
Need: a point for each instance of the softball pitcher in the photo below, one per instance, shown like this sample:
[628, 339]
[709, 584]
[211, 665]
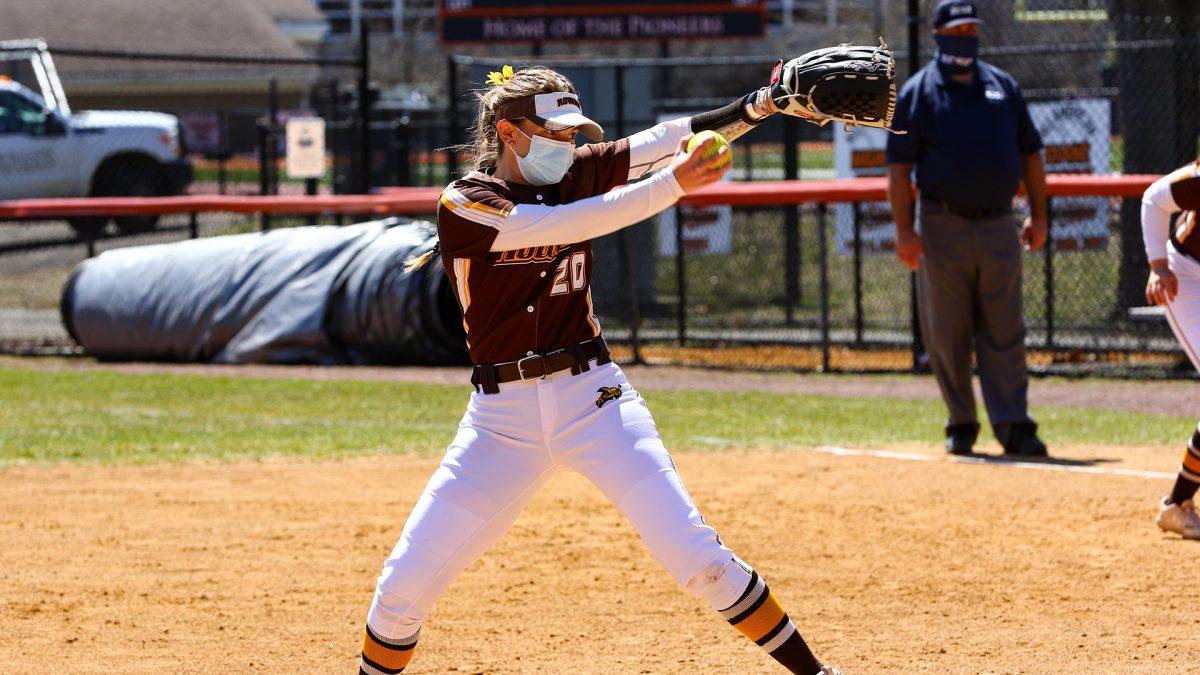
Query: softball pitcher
[514, 236]
[1174, 283]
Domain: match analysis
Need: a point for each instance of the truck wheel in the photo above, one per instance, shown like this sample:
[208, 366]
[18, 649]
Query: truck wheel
[130, 178]
[88, 228]
[139, 179]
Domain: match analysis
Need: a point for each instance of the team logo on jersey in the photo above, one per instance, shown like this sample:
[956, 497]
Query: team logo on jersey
[532, 254]
[607, 394]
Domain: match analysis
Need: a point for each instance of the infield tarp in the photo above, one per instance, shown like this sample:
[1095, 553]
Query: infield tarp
[326, 295]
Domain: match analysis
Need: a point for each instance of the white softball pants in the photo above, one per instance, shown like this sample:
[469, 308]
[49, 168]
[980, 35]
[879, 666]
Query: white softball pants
[1183, 313]
[508, 445]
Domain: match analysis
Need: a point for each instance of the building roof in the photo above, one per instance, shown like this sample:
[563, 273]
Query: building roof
[291, 10]
[222, 27]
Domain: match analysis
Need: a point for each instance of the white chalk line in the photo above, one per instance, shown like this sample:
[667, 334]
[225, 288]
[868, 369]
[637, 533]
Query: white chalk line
[958, 459]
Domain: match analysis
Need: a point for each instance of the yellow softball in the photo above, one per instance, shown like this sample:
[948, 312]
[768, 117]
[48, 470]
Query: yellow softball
[699, 138]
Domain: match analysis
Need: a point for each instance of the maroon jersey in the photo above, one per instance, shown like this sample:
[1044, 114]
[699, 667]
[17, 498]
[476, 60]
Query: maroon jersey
[1185, 190]
[532, 300]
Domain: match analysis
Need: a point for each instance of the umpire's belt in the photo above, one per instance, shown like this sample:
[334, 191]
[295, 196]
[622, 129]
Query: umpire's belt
[969, 214]
[488, 376]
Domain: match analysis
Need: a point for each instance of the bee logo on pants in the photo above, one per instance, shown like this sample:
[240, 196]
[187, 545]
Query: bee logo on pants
[607, 394]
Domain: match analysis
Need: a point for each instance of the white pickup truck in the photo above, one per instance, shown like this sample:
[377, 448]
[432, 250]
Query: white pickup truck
[46, 151]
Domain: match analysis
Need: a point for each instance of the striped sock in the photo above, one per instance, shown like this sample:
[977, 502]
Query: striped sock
[383, 656]
[1189, 474]
[760, 617]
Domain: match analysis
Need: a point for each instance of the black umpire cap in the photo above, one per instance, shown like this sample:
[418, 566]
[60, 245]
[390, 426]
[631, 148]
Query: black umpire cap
[951, 13]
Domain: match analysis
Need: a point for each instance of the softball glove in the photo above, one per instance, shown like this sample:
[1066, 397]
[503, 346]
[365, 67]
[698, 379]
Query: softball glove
[852, 84]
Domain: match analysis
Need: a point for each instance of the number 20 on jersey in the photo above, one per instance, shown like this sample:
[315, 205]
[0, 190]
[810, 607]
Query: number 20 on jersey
[571, 275]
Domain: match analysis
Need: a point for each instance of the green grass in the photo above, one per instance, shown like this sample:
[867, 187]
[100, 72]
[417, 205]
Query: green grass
[240, 175]
[114, 418]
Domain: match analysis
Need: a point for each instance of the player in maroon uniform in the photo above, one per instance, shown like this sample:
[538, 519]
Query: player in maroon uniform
[515, 241]
[1174, 283]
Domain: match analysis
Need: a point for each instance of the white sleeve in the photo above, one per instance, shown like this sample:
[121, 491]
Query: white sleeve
[1157, 207]
[653, 148]
[541, 225]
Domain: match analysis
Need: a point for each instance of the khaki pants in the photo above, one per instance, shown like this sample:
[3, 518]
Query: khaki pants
[969, 298]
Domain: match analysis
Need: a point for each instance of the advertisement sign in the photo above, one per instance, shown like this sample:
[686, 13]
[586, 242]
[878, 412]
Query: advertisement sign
[203, 131]
[1078, 136]
[494, 21]
[305, 147]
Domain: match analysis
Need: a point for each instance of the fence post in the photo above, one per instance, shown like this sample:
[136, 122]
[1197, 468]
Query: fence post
[858, 290]
[222, 175]
[791, 226]
[823, 256]
[1048, 261]
[914, 65]
[310, 189]
[400, 151]
[451, 121]
[914, 316]
[364, 107]
[625, 238]
[223, 152]
[193, 226]
[273, 116]
[680, 278]
[265, 138]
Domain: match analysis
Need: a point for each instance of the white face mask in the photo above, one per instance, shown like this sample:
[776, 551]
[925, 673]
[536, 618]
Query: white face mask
[547, 160]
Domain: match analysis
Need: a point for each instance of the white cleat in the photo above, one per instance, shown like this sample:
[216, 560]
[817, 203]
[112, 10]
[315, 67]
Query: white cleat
[1179, 518]
[830, 670]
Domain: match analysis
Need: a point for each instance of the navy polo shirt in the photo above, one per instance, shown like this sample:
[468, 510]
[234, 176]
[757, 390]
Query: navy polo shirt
[965, 140]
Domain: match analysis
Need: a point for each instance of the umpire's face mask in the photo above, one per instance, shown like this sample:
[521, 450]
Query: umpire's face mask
[956, 53]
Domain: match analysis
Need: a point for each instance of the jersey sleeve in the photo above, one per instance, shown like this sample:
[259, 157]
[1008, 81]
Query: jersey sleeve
[652, 149]
[469, 219]
[583, 219]
[1158, 205]
[1185, 187]
[598, 168]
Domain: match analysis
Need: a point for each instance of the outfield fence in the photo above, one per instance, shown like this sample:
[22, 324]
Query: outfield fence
[771, 275]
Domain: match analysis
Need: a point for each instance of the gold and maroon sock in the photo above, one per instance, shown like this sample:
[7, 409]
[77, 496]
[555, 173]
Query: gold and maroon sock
[1189, 473]
[760, 617]
[383, 656]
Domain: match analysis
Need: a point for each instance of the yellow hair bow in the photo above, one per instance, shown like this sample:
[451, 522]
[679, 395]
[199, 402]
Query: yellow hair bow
[505, 75]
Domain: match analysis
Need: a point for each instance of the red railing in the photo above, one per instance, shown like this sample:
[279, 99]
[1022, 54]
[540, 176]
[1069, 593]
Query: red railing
[424, 200]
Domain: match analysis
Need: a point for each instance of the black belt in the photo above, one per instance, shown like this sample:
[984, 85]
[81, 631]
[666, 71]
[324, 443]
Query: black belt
[971, 214]
[1174, 244]
[487, 377]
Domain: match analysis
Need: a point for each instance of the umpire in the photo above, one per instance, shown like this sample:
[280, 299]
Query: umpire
[972, 142]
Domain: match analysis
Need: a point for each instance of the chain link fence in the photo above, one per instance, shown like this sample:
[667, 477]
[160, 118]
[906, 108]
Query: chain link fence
[730, 301]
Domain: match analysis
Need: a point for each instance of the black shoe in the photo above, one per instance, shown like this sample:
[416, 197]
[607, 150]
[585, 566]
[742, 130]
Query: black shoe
[1024, 442]
[960, 438]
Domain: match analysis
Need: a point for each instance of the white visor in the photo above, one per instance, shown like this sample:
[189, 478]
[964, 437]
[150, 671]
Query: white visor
[561, 110]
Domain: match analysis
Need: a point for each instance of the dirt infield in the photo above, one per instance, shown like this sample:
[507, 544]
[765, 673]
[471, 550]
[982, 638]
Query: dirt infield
[888, 566]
